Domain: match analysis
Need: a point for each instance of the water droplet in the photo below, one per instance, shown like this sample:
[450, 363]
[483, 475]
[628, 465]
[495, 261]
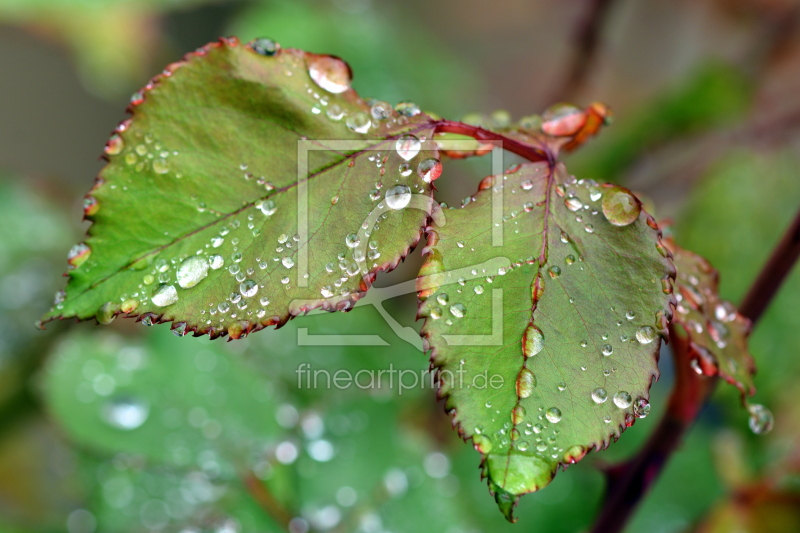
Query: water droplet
[335, 113]
[398, 197]
[264, 46]
[599, 395]
[761, 419]
[526, 382]
[380, 110]
[78, 255]
[216, 261]
[620, 207]
[429, 169]
[287, 262]
[607, 350]
[553, 415]
[641, 407]
[478, 289]
[330, 73]
[573, 203]
[407, 109]
[532, 341]
[595, 194]
[125, 412]
[458, 310]
[160, 166]
[352, 240]
[623, 400]
[408, 147]
[630, 315]
[192, 271]
[645, 334]
[248, 288]
[359, 122]
[267, 207]
[554, 271]
[443, 299]
[482, 443]
[165, 295]
[518, 415]
[114, 145]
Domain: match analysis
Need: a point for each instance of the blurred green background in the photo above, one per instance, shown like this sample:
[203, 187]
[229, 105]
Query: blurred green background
[124, 428]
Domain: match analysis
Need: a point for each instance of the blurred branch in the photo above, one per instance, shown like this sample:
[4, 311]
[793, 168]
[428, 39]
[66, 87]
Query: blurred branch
[266, 500]
[586, 39]
[629, 481]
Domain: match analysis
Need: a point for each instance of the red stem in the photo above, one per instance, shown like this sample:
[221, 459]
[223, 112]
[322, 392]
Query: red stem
[521, 149]
[629, 481]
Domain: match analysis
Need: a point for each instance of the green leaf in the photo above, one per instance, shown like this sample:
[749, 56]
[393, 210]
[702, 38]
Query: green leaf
[216, 211]
[168, 401]
[715, 331]
[545, 300]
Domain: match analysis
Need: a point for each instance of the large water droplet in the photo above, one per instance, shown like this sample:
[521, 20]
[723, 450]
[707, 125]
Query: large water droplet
[408, 147]
[359, 122]
[623, 400]
[165, 295]
[192, 271]
[352, 240]
[429, 169]
[125, 412]
[599, 395]
[553, 415]
[761, 419]
[620, 207]
[330, 73]
[645, 334]
[264, 46]
[532, 341]
[398, 197]
[408, 109]
[641, 407]
[458, 310]
[248, 288]
[526, 382]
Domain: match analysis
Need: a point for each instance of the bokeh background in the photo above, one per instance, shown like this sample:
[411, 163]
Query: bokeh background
[124, 428]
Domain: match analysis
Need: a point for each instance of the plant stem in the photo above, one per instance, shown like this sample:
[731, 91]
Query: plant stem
[629, 481]
[266, 500]
[523, 150]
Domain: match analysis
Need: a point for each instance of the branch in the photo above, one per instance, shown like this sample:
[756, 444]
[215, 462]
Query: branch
[629, 481]
[266, 500]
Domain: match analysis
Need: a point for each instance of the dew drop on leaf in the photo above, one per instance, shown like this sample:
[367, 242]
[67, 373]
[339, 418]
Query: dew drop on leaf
[248, 288]
[398, 196]
[264, 46]
[216, 261]
[553, 415]
[165, 295]
[641, 407]
[114, 145]
[620, 207]
[408, 147]
[645, 334]
[359, 122]
[330, 73]
[429, 169]
[623, 400]
[532, 341]
[599, 395]
[458, 310]
[192, 271]
[573, 203]
[408, 109]
[526, 382]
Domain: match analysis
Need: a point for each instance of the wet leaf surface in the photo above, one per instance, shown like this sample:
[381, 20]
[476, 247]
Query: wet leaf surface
[558, 290]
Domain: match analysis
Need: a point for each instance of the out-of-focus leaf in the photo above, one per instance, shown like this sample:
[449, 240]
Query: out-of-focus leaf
[559, 291]
[113, 41]
[717, 333]
[178, 403]
[214, 214]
